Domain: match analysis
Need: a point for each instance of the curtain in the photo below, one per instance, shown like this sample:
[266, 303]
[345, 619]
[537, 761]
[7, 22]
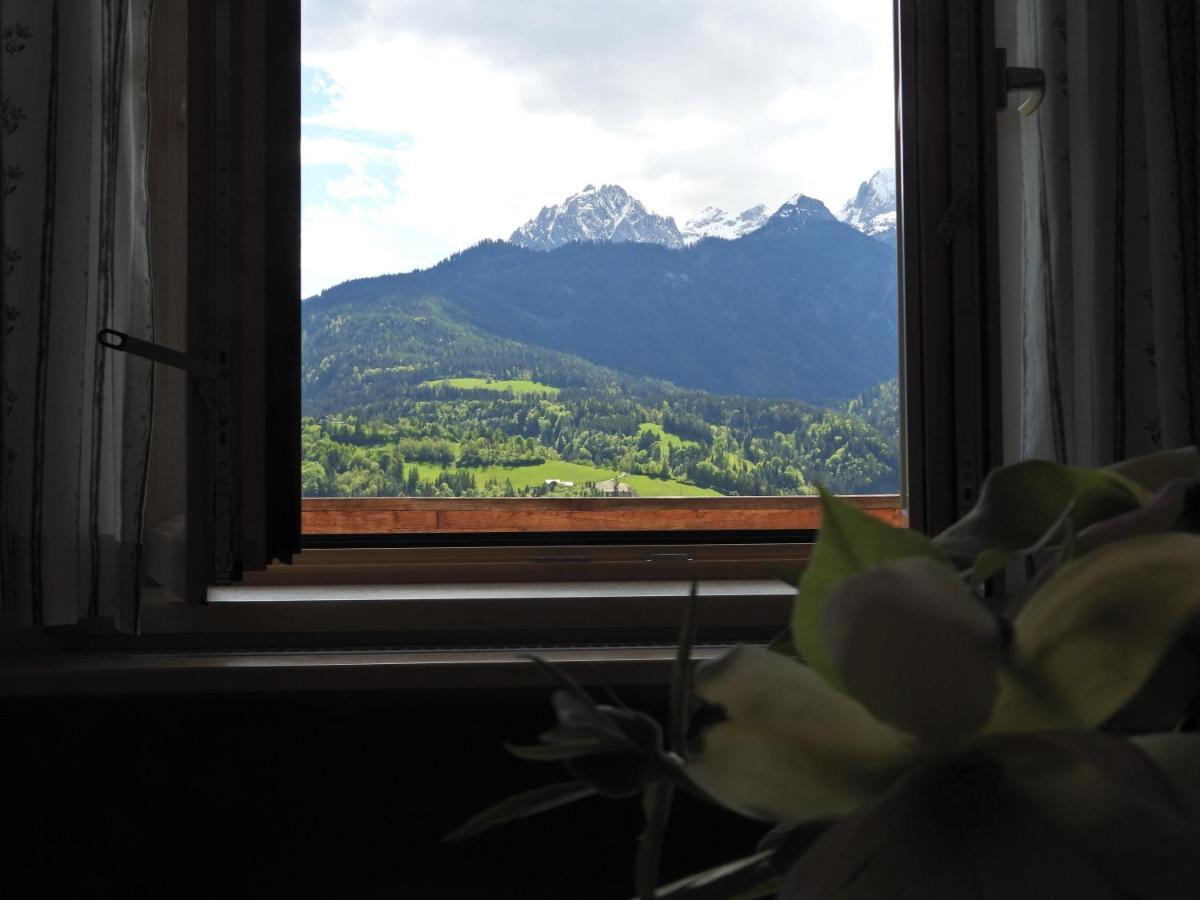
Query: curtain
[1110, 321]
[73, 226]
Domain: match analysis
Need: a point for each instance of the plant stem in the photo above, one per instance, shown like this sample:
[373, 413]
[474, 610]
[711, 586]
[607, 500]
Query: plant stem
[657, 803]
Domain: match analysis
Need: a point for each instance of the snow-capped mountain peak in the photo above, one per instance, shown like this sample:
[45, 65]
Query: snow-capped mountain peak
[873, 209]
[800, 209]
[599, 214]
[713, 221]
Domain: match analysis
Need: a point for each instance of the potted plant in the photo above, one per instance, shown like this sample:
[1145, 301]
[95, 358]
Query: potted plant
[922, 731]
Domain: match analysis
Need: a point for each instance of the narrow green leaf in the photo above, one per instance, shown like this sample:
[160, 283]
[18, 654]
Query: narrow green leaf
[1067, 548]
[1166, 511]
[850, 541]
[1154, 471]
[677, 713]
[991, 561]
[1092, 635]
[987, 564]
[744, 879]
[521, 805]
[641, 760]
[584, 715]
[565, 681]
[1019, 503]
[560, 750]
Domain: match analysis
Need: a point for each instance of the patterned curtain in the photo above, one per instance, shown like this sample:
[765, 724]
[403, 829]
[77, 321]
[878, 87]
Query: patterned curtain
[73, 227]
[1111, 297]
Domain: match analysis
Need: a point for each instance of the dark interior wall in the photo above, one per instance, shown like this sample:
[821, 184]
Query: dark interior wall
[333, 795]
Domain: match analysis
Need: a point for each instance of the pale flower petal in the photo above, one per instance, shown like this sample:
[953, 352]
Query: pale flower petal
[790, 748]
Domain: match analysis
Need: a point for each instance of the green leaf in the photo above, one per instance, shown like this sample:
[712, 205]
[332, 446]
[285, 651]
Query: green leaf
[623, 774]
[948, 830]
[584, 716]
[850, 541]
[521, 805]
[565, 681]
[991, 561]
[987, 564]
[677, 713]
[1155, 470]
[1177, 757]
[790, 747]
[1092, 635]
[656, 802]
[1112, 803]
[1020, 502]
[743, 879]
[1165, 511]
[915, 648]
[561, 750]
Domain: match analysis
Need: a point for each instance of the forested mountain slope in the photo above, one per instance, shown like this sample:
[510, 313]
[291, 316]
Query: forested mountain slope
[803, 308]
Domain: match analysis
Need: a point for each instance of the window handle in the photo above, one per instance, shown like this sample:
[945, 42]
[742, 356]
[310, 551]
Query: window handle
[206, 374]
[119, 340]
[1018, 78]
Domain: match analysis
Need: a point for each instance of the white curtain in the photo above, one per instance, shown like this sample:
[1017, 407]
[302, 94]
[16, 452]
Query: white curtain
[1110, 317]
[76, 417]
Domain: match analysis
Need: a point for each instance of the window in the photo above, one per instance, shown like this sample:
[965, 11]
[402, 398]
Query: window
[604, 348]
[241, 508]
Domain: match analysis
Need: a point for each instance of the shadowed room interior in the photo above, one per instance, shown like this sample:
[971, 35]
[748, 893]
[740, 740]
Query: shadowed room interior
[232, 787]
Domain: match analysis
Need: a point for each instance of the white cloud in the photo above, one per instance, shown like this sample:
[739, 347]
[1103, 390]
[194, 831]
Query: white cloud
[480, 112]
[357, 187]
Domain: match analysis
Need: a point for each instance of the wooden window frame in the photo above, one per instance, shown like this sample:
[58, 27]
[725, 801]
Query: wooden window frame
[243, 511]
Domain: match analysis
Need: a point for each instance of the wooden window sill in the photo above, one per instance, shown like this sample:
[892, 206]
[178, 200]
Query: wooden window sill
[458, 516]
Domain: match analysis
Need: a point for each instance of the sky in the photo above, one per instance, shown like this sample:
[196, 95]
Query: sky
[429, 125]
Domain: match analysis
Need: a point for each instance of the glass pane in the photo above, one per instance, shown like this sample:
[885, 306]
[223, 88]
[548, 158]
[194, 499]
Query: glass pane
[573, 249]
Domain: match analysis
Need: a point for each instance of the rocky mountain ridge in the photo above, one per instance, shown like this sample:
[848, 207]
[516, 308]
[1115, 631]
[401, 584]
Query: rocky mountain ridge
[610, 214]
[873, 209]
[605, 214]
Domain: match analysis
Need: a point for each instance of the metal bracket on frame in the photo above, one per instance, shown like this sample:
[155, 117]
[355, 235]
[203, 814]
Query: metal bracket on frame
[1018, 78]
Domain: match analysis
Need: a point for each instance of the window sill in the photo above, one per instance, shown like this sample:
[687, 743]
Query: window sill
[397, 637]
[471, 614]
[100, 674]
[506, 515]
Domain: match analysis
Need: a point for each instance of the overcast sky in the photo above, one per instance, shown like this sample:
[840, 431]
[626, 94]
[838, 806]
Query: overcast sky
[430, 124]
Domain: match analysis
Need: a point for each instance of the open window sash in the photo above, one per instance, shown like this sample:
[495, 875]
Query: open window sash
[243, 509]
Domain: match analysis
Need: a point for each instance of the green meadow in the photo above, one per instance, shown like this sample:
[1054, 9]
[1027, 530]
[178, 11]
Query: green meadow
[666, 440]
[515, 386]
[536, 476]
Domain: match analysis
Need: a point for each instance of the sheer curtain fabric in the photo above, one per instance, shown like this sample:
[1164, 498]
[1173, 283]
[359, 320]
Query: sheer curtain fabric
[1110, 324]
[76, 418]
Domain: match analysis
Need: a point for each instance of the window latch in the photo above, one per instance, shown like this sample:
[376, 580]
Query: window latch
[1018, 78]
[205, 374]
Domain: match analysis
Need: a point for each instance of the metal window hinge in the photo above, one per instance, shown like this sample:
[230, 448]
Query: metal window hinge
[206, 375]
[1018, 78]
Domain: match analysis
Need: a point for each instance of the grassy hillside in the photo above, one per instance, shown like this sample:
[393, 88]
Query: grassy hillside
[532, 479]
[460, 381]
[509, 385]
